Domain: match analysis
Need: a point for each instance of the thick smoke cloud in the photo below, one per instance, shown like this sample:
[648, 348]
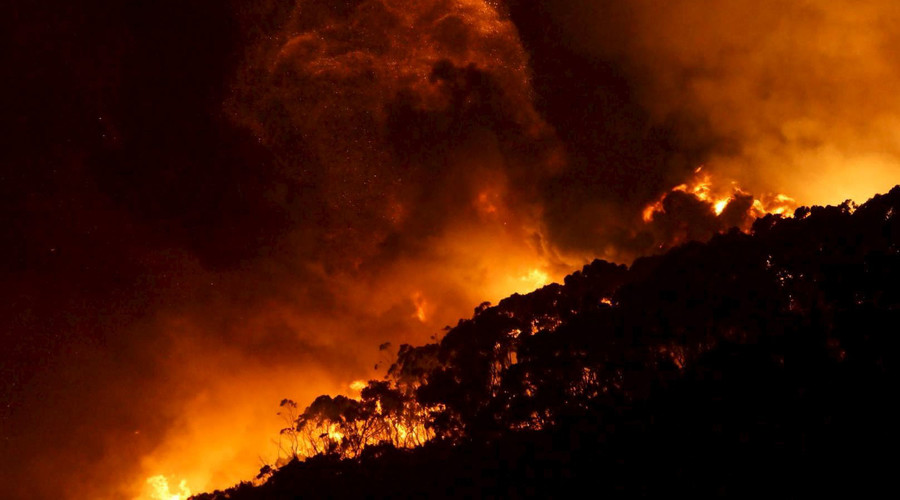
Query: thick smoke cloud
[403, 157]
[241, 205]
[790, 97]
[394, 120]
[217, 205]
[787, 96]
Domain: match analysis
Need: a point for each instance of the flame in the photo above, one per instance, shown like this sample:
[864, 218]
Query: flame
[158, 489]
[349, 437]
[216, 449]
[702, 187]
[421, 305]
[778, 204]
[535, 279]
[651, 209]
[357, 385]
[463, 265]
[334, 433]
[720, 205]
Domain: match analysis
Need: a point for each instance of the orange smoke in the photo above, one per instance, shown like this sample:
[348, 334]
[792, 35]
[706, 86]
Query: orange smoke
[232, 203]
[794, 97]
[408, 206]
[228, 428]
[413, 160]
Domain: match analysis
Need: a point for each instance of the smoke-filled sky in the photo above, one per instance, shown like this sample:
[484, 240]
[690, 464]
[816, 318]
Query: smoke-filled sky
[208, 206]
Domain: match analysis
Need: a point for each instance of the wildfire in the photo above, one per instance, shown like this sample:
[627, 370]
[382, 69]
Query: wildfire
[777, 204]
[333, 433]
[349, 434]
[159, 489]
[704, 189]
[720, 205]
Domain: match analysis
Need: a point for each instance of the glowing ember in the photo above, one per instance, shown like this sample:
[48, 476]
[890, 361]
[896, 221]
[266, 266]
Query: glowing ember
[487, 202]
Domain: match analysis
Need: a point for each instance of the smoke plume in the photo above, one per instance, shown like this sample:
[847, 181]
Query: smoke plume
[222, 204]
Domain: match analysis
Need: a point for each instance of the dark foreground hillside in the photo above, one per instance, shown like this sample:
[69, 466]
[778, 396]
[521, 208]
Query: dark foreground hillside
[751, 365]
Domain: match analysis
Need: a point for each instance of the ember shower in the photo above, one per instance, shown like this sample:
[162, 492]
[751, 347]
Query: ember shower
[211, 206]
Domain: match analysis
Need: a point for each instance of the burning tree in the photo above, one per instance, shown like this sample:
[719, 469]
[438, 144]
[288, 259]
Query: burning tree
[343, 426]
[699, 352]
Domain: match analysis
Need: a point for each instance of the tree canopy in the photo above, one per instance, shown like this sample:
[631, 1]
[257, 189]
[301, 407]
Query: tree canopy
[757, 363]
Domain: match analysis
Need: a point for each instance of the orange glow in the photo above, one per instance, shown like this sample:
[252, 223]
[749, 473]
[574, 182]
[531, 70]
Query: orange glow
[222, 432]
[496, 244]
[778, 204]
[701, 186]
[486, 203]
[402, 427]
[378, 229]
[720, 205]
[651, 209]
[535, 279]
[158, 489]
[357, 385]
[421, 305]
[704, 188]
[220, 435]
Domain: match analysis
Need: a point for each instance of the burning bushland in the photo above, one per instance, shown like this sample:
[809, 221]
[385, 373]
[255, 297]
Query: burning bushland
[720, 367]
[213, 205]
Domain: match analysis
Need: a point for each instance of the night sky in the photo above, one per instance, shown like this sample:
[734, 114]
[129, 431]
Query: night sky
[208, 206]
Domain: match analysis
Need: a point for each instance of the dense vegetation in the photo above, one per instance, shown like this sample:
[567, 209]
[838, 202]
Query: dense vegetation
[752, 364]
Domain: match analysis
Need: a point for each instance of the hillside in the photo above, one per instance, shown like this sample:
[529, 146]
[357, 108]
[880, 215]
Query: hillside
[760, 363]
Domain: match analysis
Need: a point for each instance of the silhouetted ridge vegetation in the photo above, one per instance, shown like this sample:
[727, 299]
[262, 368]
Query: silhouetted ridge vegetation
[753, 364]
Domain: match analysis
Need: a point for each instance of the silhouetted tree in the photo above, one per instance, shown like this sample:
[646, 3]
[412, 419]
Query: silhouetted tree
[731, 367]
